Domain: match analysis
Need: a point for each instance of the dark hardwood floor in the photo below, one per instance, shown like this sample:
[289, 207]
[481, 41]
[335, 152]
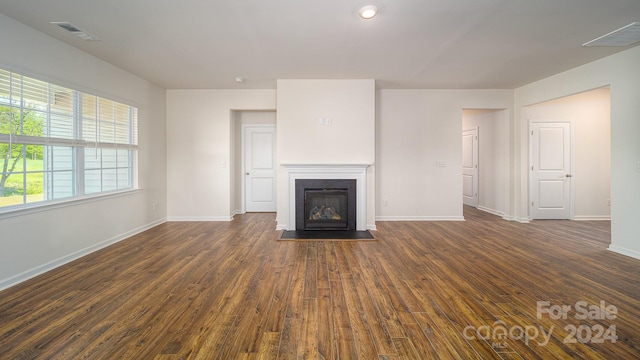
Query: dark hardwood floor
[480, 289]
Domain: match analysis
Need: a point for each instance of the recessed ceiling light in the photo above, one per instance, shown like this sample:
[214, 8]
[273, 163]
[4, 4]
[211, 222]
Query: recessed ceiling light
[624, 36]
[76, 31]
[368, 12]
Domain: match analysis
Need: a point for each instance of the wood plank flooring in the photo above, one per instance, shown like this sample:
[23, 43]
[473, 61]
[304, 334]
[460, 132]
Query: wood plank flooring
[421, 290]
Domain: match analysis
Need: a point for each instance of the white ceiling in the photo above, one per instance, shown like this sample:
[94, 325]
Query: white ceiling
[410, 44]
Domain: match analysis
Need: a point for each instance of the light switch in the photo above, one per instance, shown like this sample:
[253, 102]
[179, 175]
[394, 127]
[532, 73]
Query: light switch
[321, 121]
[441, 163]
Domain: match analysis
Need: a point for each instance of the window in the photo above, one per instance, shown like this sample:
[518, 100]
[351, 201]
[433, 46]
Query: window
[58, 143]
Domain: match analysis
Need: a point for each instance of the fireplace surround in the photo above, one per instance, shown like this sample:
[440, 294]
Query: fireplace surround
[293, 172]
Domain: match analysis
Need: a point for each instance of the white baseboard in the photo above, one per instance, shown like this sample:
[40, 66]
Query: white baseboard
[372, 227]
[200, 218]
[419, 218]
[238, 212]
[281, 227]
[491, 211]
[522, 220]
[624, 251]
[592, 217]
[38, 270]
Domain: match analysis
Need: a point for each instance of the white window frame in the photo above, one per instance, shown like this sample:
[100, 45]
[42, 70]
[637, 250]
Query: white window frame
[78, 143]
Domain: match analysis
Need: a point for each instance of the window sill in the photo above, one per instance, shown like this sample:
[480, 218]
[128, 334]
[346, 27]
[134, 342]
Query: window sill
[25, 209]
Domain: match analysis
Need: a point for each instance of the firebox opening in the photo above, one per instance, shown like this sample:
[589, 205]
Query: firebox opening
[326, 208]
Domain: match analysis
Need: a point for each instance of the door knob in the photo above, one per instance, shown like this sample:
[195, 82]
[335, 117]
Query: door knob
[568, 175]
[247, 173]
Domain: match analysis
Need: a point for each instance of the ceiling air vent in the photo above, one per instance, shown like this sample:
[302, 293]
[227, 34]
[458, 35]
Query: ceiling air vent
[624, 36]
[76, 31]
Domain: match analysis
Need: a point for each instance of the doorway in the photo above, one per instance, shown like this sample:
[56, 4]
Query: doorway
[241, 119]
[485, 149]
[588, 186]
[470, 167]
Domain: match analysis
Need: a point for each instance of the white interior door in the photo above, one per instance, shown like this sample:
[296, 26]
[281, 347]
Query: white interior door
[550, 170]
[260, 168]
[470, 167]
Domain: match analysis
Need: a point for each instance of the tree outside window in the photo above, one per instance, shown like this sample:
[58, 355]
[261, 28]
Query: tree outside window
[20, 162]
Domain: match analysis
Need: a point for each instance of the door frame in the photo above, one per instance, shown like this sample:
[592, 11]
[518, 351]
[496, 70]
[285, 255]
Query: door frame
[530, 165]
[243, 182]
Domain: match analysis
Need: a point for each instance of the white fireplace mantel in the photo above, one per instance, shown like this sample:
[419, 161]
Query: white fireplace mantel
[327, 171]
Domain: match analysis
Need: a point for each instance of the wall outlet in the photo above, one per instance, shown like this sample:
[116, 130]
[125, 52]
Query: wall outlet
[441, 163]
[321, 121]
[155, 206]
[385, 202]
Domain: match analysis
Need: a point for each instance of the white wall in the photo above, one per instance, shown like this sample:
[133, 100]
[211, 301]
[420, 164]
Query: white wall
[34, 242]
[416, 128]
[493, 156]
[349, 139]
[200, 147]
[622, 73]
[589, 115]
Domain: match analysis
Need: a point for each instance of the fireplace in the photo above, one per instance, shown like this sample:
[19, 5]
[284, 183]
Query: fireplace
[325, 204]
[287, 219]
